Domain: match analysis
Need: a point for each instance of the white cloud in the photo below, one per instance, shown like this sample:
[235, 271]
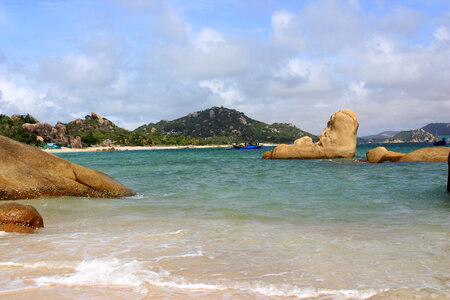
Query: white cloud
[158, 62]
[442, 33]
[207, 39]
[227, 90]
[18, 98]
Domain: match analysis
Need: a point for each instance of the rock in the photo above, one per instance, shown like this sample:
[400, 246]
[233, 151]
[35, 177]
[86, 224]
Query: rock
[75, 142]
[338, 139]
[430, 154]
[381, 154]
[96, 116]
[48, 134]
[267, 155]
[10, 227]
[19, 214]
[362, 160]
[27, 172]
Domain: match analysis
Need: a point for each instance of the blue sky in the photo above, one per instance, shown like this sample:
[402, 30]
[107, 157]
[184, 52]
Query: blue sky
[140, 61]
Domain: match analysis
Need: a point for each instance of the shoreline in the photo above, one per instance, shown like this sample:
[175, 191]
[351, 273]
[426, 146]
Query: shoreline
[140, 148]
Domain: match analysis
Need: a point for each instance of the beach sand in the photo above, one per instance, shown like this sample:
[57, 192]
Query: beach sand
[129, 148]
[132, 148]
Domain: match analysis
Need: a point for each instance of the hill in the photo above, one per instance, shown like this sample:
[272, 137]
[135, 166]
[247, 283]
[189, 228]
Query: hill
[381, 135]
[437, 129]
[12, 127]
[224, 126]
[412, 136]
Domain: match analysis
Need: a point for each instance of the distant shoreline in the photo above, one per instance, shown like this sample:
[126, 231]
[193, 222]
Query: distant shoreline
[132, 148]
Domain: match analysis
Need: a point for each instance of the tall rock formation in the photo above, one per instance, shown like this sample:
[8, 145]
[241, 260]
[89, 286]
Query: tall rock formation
[337, 140]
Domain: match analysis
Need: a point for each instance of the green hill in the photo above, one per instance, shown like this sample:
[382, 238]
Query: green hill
[12, 128]
[224, 126]
[413, 136]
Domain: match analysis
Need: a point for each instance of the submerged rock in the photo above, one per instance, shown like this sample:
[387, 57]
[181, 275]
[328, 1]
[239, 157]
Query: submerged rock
[430, 154]
[15, 217]
[27, 172]
[338, 139]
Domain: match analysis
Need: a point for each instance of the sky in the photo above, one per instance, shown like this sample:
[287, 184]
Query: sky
[141, 61]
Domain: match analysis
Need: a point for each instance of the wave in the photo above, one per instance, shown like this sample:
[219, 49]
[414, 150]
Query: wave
[135, 274]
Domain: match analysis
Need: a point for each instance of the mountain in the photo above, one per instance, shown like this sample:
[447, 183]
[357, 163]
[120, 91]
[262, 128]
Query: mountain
[225, 126]
[381, 135]
[409, 136]
[438, 129]
[95, 129]
[412, 136]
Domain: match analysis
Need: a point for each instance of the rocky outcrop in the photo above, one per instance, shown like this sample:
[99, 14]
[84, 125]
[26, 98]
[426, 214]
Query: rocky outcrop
[28, 172]
[338, 139]
[430, 154]
[21, 218]
[20, 214]
[46, 133]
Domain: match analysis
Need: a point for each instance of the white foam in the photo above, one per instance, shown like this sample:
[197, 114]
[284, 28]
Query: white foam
[307, 292]
[101, 271]
[38, 265]
[196, 254]
[4, 233]
[114, 272]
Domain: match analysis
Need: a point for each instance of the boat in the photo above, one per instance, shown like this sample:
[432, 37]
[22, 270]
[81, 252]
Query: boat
[439, 142]
[246, 147]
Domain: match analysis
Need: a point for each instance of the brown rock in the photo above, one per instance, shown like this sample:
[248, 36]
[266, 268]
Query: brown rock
[430, 154]
[96, 116]
[338, 139]
[267, 155]
[19, 214]
[381, 154]
[10, 227]
[27, 172]
[75, 142]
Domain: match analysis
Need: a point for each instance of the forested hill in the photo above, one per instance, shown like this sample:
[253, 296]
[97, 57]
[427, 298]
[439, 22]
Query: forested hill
[226, 126]
[438, 129]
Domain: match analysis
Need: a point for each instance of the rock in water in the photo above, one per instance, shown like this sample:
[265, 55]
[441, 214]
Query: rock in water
[430, 154]
[338, 139]
[27, 172]
[19, 214]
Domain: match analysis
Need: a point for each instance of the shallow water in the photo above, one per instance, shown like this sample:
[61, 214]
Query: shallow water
[211, 223]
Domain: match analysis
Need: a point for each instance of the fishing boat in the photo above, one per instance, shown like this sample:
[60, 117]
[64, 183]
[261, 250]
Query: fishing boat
[439, 142]
[245, 147]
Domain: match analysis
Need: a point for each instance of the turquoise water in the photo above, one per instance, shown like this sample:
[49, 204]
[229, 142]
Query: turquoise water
[214, 223]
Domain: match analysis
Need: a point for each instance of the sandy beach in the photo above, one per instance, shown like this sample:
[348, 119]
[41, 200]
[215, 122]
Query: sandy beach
[130, 148]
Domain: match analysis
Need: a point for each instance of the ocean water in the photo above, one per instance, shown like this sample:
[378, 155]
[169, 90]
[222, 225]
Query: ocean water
[218, 224]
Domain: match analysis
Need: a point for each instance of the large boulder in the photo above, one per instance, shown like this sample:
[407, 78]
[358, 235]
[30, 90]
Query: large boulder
[46, 133]
[28, 172]
[338, 139]
[20, 215]
[430, 154]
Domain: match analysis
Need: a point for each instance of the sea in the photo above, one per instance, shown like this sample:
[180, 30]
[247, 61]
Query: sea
[224, 224]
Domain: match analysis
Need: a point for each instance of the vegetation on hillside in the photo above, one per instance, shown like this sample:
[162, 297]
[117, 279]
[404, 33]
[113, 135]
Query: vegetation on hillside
[12, 128]
[224, 126]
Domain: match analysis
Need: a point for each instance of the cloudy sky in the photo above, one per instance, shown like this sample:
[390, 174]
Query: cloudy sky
[140, 61]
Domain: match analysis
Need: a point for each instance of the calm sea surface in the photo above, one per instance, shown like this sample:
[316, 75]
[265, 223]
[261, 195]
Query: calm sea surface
[218, 224]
